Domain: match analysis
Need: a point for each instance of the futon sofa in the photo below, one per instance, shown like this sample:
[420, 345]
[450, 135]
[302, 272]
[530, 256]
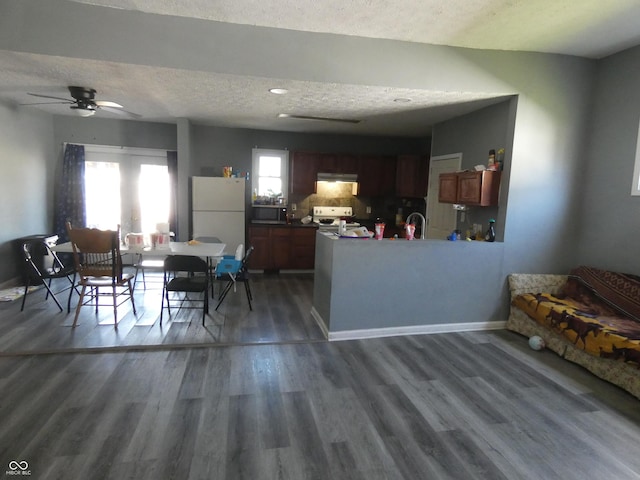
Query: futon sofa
[590, 317]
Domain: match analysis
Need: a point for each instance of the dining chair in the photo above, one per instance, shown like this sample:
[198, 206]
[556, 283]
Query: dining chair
[98, 262]
[45, 275]
[185, 274]
[236, 272]
[142, 265]
[210, 261]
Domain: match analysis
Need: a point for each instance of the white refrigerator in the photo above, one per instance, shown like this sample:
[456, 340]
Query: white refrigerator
[218, 209]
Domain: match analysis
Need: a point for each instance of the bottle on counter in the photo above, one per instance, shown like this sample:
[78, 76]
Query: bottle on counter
[342, 228]
[255, 195]
[379, 229]
[490, 236]
[491, 163]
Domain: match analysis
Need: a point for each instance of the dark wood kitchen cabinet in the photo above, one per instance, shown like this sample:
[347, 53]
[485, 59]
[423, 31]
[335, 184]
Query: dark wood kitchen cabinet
[282, 247]
[303, 172]
[470, 188]
[412, 176]
[376, 175]
[448, 188]
[303, 248]
[337, 163]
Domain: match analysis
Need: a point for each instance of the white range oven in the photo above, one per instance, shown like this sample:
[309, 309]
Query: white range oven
[328, 218]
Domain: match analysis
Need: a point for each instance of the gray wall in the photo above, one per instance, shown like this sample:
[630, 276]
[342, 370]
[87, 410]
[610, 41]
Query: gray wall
[474, 135]
[547, 164]
[217, 147]
[27, 163]
[103, 131]
[609, 229]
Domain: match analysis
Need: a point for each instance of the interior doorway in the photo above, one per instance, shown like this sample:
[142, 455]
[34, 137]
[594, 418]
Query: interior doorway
[441, 217]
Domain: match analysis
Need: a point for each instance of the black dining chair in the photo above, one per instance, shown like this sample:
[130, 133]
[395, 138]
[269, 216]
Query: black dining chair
[185, 274]
[45, 275]
[210, 261]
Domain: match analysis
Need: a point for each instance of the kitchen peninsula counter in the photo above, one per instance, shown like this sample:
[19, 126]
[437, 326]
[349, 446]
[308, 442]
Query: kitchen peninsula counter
[368, 288]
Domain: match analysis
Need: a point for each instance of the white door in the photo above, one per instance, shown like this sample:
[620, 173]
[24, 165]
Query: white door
[441, 217]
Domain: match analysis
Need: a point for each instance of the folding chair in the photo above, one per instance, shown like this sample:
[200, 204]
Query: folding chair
[210, 261]
[185, 274]
[46, 275]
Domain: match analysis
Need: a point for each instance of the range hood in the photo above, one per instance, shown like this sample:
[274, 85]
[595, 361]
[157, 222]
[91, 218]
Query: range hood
[337, 177]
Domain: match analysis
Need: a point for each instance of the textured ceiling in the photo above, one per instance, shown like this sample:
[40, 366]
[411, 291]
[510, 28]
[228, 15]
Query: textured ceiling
[585, 28]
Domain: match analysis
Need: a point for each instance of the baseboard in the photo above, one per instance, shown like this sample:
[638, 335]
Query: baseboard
[12, 282]
[320, 322]
[409, 330]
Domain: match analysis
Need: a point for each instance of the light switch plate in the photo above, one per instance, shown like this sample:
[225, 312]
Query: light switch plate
[368, 209]
[294, 207]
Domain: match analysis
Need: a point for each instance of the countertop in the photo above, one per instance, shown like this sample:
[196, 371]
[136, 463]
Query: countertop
[274, 223]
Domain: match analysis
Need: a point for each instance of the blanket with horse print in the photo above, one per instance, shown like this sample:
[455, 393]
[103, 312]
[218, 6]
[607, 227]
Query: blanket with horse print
[597, 310]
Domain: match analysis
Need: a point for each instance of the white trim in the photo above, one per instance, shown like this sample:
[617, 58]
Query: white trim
[131, 151]
[414, 330]
[635, 185]
[320, 322]
[400, 331]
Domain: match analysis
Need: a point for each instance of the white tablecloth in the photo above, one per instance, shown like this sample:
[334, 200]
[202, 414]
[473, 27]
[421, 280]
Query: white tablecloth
[210, 250]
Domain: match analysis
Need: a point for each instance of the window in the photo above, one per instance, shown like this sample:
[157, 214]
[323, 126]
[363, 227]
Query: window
[270, 169]
[126, 186]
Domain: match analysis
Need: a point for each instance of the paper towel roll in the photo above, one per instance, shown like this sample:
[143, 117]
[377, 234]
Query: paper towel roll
[162, 227]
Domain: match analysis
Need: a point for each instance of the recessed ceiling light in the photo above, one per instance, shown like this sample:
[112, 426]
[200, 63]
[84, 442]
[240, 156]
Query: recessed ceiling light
[402, 100]
[278, 91]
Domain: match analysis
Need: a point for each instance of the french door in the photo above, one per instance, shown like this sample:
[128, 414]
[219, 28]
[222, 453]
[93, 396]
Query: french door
[126, 186]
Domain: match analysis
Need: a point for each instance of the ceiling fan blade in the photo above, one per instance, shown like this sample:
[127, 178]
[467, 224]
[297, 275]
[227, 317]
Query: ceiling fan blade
[106, 103]
[44, 103]
[120, 111]
[66, 100]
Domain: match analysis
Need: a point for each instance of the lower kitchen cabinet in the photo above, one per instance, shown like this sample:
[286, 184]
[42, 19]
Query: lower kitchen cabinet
[282, 247]
[303, 248]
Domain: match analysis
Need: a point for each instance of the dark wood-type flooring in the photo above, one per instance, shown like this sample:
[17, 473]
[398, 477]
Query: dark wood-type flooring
[260, 395]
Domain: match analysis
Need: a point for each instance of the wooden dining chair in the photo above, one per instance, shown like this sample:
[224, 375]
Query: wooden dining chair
[98, 261]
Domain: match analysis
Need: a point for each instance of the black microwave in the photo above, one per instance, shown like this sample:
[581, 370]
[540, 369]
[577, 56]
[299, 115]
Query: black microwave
[269, 213]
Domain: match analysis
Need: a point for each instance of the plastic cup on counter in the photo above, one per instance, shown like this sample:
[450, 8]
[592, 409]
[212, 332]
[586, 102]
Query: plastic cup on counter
[411, 231]
[379, 227]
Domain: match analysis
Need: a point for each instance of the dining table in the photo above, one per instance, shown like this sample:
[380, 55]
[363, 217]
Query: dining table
[209, 250]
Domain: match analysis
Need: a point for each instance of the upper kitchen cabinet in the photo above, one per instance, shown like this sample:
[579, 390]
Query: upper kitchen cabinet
[412, 176]
[376, 175]
[337, 163]
[448, 188]
[304, 172]
[471, 188]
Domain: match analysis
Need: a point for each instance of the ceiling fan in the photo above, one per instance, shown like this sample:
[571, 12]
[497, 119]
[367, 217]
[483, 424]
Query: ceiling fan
[84, 104]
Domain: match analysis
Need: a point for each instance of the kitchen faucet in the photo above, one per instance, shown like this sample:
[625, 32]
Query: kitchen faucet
[424, 223]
